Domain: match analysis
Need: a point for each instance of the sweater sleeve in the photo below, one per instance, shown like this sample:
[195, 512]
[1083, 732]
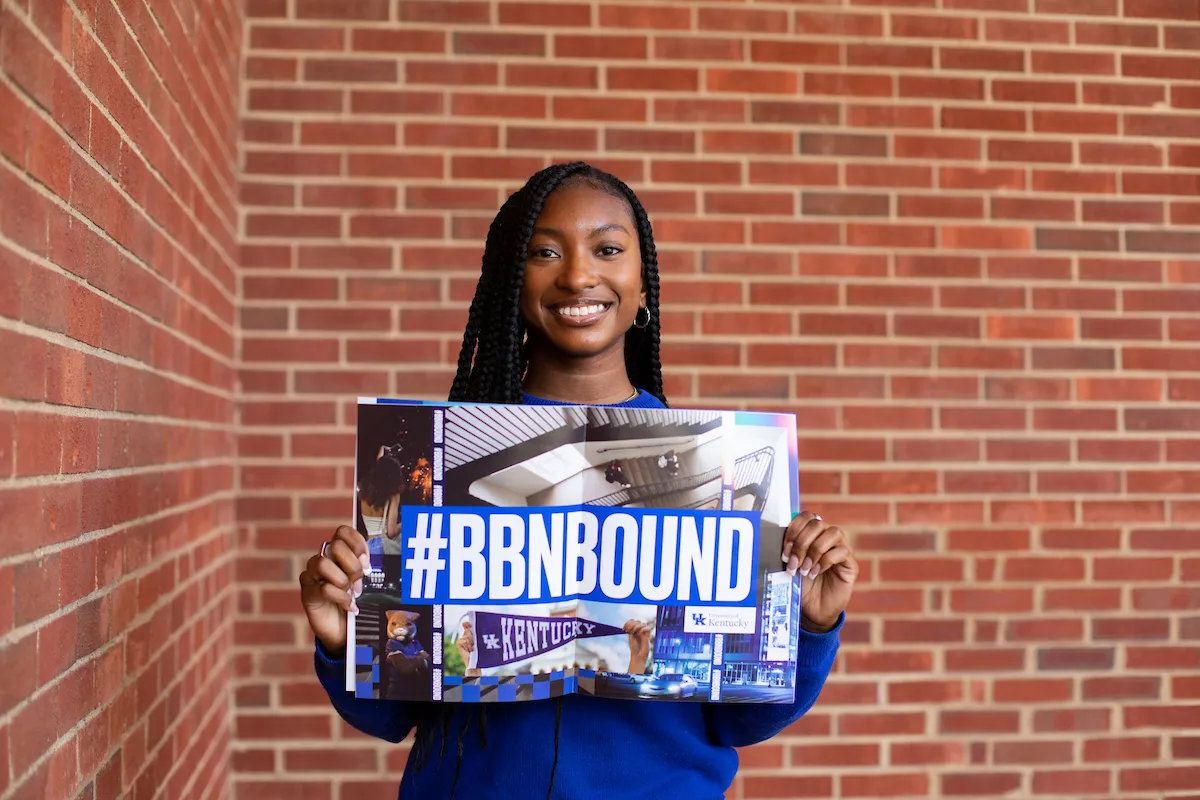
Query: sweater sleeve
[738, 725]
[384, 719]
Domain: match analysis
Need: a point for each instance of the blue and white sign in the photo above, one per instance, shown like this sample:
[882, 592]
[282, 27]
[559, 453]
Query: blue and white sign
[501, 556]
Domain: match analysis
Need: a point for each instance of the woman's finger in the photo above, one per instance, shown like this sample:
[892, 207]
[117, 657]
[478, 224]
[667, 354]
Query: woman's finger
[357, 544]
[339, 597]
[310, 578]
[802, 541]
[828, 539]
[340, 553]
[840, 555]
[328, 571]
[796, 531]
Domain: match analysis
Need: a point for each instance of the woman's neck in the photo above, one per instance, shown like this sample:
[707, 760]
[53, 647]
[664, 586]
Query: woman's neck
[602, 380]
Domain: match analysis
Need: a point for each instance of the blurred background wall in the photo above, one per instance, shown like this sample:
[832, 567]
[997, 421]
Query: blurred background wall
[118, 323]
[958, 238]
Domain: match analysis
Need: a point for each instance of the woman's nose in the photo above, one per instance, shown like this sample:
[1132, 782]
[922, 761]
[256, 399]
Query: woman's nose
[576, 273]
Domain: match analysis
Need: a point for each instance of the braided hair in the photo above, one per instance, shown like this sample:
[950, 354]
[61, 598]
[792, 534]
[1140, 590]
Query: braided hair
[492, 361]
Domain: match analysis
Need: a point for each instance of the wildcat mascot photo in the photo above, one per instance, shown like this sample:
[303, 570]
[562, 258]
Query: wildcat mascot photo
[407, 659]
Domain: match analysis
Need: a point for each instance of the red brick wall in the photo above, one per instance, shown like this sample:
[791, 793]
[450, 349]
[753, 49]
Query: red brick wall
[960, 245]
[118, 293]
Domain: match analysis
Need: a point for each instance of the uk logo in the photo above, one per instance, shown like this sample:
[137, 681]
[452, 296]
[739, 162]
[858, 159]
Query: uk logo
[699, 619]
[491, 641]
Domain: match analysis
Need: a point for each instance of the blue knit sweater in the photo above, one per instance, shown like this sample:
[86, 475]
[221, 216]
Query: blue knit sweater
[629, 749]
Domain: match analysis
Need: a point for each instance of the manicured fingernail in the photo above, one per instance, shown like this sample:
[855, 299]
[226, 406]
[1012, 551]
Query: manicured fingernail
[353, 607]
[813, 574]
[358, 587]
[787, 550]
[366, 562]
[806, 566]
[791, 571]
[817, 516]
[793, 564]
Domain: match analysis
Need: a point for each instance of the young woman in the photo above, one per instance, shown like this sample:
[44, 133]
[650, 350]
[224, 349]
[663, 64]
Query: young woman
[379, 503]
[566, 311]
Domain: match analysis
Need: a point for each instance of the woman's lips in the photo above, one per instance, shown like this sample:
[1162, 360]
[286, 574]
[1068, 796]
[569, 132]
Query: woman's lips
[578, 315]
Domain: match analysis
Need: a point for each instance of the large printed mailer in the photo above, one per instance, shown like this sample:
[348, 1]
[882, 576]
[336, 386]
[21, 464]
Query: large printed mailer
[527, 552]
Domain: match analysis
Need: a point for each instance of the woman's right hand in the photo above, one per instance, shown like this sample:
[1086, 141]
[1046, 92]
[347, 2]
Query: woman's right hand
[330, 584]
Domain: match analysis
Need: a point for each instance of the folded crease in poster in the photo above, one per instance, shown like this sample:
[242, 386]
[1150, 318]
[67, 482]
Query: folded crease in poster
[527, 552]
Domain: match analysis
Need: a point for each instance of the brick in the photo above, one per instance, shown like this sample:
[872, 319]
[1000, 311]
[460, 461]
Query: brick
[358, 70]
[1129, 748]
[600, 46]
[845, 204]
[1038, 691]
[892, 723]
[1073, 63]
[381, 40]
[395, 102]
[753, 142]
[980, 178]
[750, 81]
[451, 73]
[1033, 752]
[766, 786]
[921, 26]
[847, 83]
[653, 18]
[846, 755]
[982, 59]
[927, 753]
[777, 173]
[889, 785]
[791, 52]
[706, 48]
[1031, 31]
[539, 14]
[963, 722]
[498, 44]
[279, 99]
[651, 140]
[672, 79]
[351, 9]
[1040, 327]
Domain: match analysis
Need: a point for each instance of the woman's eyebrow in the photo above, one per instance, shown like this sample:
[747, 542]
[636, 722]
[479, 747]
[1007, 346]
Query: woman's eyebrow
[609, 228]
[603, 229]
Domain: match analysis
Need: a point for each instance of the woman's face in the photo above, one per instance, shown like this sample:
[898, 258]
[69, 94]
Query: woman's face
[583, 273]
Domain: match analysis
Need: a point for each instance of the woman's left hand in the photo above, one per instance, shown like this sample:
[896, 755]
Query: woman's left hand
[821, 553]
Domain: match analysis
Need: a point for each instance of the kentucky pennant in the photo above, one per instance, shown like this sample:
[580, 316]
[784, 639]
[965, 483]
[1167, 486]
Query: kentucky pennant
[505, 638]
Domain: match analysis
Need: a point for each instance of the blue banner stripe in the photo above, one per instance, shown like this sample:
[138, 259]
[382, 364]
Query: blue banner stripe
[500, 556]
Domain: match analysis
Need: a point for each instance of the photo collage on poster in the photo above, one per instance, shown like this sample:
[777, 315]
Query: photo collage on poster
[608, 460]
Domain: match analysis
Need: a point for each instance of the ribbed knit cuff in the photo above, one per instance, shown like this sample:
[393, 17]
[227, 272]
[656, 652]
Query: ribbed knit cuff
[818, 649]
[327, 661]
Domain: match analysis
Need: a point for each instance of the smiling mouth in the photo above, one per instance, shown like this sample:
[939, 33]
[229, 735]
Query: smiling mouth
[588, 310]
[580, 314]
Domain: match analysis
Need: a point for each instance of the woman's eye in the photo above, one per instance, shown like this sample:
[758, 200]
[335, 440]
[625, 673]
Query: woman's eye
[542, 252]
[610, 251]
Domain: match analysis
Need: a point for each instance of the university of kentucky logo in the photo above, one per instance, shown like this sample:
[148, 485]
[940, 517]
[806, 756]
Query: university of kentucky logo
[506, 638]
[712, 619]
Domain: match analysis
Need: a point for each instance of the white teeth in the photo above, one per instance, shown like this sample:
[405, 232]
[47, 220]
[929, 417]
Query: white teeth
[581, 311]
